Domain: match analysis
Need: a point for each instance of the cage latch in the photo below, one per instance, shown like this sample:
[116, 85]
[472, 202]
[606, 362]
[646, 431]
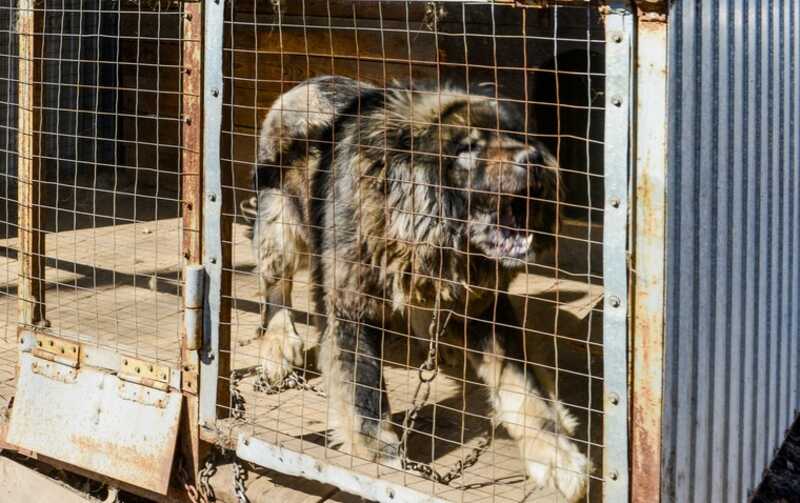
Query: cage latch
[145, 373]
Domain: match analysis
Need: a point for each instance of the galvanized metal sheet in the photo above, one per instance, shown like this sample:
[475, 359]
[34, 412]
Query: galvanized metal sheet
[212, 210]
[297, 464]
[619, 47]
[94, 420]
[733, 277]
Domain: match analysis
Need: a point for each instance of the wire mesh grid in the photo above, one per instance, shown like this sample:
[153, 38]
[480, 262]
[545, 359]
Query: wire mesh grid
[427, 209]
[104, 83]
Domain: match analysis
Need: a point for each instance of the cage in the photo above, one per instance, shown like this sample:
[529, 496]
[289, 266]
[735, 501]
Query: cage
[399, 250]
[135, 272]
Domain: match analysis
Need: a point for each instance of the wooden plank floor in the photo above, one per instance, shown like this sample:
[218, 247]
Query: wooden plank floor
[119, 285]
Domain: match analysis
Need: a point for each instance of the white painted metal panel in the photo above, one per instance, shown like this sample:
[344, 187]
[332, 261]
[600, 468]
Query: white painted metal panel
[94, 420]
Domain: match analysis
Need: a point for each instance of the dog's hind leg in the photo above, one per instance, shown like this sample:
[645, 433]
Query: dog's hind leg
[541, 427]
[358, 406]
[277, 243]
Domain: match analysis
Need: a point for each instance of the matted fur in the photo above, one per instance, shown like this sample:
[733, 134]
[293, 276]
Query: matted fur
[397, 196]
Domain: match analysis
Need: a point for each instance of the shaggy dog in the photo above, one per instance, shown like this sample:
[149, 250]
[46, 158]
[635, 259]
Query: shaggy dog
[406, 199]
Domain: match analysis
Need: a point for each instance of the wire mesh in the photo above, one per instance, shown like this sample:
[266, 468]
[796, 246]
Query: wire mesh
[106, 137]
[444, 123]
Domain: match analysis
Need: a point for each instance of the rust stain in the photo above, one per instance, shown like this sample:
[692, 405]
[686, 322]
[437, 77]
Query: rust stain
[649, 235]
[189, 447]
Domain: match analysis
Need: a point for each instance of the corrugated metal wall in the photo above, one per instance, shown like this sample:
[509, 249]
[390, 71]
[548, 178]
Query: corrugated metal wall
[733, 285]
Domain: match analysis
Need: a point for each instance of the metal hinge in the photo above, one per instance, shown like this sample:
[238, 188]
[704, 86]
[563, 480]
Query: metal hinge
[57, 350]
[145, 373]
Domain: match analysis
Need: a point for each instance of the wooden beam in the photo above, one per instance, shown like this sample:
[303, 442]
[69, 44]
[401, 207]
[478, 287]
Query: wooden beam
[20, 483]
[31, 237]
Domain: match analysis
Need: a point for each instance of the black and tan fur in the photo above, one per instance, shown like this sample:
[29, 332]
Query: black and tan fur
[398, 195]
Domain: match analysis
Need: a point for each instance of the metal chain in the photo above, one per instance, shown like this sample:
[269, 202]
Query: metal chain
[185, 481]
[434, 13]
[205, 490]
[426, 373]
[239, 478]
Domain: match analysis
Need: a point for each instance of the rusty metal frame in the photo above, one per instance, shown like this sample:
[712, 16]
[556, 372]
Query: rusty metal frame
[192, 213]
[31, 237]
[649, 257]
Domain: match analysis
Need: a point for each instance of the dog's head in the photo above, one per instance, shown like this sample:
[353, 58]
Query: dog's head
[499, 185]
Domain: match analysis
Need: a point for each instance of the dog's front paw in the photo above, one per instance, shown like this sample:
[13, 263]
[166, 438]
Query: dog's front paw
[554, 461]
[281, 347]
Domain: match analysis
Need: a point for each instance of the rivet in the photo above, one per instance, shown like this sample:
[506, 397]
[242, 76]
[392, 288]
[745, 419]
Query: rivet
[617, 38]
[615, 202]
[613, 398]
[214, 92]
[613, 475]
[213, 260]
[187, 71]
[616, 101]
[188, 16]
[614, 301]
[187, 120]
[212, 197]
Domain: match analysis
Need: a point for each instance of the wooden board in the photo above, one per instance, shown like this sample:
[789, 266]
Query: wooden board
[20, 483]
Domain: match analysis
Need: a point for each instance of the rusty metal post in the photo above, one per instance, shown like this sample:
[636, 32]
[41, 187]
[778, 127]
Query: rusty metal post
[649, 257]
[31, 236]
[192, 206]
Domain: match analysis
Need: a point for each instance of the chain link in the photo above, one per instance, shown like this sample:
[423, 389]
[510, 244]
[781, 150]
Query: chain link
[239, 478]
[427, 372]
[206, 492]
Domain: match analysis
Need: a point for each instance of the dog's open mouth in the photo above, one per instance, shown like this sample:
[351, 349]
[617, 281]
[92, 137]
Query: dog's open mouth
[506, 233]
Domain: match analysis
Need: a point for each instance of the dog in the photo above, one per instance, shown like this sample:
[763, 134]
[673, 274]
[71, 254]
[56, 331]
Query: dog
[405, 201]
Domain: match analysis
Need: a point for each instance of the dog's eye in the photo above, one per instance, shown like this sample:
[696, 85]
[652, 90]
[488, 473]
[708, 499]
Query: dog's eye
[464, 147]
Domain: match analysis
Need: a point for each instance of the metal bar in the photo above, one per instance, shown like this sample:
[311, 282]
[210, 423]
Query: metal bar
[618, 106]
[31, 237]
[210, 355]
[192, 212]
[294, 463]
[649, 234]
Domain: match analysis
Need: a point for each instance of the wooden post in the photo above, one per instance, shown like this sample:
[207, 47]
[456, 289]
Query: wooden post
[31, 237]
[192, 212]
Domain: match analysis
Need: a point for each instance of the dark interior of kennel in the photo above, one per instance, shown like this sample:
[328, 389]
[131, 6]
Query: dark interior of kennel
[550, 61]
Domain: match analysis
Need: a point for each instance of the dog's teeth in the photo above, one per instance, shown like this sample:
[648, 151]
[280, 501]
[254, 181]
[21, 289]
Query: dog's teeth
[529, 239]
